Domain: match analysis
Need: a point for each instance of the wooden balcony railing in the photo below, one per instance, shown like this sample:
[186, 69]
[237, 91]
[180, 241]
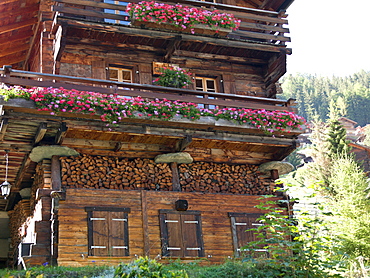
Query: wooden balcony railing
[12, 77]
[256, 25]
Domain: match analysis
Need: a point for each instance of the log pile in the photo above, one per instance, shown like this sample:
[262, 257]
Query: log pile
[42, 179]
[18, 221]
[223, 178]
[102, 172]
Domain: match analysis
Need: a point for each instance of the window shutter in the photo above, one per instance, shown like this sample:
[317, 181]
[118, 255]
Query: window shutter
[192, 235]
[118, 234]
[99, 225]
[181, 233]
[240, 223]
[171, 235]
[107, 231]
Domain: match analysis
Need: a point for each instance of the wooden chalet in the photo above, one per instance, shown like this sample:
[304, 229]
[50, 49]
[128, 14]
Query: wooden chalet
[107, 199]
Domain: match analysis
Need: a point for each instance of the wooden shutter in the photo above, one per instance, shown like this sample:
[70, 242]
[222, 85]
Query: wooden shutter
[240, 223]
[118, 233]
[192, 235]
[171, 235]
[99, 226]
[181, 233]
[107, 231]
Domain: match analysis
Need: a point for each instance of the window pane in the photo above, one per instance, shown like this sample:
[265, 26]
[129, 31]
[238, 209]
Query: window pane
[126, 76]
[210, 84]
[199, 84]
[113, 74]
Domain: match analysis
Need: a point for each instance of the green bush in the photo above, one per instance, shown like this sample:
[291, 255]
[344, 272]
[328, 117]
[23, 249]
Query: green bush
[56, 272]
[147, 268]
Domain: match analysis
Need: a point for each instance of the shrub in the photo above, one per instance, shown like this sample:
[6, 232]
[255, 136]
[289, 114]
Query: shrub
[147, 268]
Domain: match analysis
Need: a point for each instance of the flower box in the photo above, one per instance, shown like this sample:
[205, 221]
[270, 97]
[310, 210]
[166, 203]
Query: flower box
[200, 29]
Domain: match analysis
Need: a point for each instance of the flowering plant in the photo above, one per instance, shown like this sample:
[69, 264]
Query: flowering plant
[172, 76]
[181, 16]
[113, 108]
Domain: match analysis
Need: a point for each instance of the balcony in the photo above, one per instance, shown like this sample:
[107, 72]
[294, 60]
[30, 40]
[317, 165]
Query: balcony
[201, 99]
[260, 30]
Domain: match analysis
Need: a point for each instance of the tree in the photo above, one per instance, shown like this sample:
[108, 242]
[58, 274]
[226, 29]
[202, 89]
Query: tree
[338, 144]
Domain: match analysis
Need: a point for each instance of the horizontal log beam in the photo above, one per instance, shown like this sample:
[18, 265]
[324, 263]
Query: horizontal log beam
[165, 35]
[262, 103]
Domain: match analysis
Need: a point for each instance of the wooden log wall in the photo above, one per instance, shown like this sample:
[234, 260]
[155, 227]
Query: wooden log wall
[143, 222]
[77, 60]
[99, 172]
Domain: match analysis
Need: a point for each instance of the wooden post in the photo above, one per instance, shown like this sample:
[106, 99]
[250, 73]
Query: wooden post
[175, 177]
[144, 211]
[56, 179]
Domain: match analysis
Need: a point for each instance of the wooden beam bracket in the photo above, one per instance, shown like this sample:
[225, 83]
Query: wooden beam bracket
[40, 133]
[3, 127]
[171, 48]
[183, 143]
[61, 133]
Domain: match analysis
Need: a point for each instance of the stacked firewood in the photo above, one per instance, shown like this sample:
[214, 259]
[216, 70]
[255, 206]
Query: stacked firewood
[42, 179]
[102, 172]
[17, 221]
[223, 178]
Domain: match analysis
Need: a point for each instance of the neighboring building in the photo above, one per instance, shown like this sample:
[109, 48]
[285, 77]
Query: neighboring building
[115, 200]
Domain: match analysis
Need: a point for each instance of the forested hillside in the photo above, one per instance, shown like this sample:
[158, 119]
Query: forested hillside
[321, 98]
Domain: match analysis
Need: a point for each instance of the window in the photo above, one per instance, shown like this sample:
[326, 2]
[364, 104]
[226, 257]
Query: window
[240, 223]
[207, 85]
[181, 233]
[124, 13]
[120, 74]
[108, 231]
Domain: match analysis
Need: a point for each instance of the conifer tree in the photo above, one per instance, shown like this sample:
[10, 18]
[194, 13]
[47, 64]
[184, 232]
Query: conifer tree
[338, 144]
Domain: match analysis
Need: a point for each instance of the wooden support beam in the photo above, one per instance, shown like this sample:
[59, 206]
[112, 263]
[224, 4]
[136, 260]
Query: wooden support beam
[56, 179]
[207, 56]
[171, 48]
[144, 212]
[61, 133]
[18, 25]
[22, 171]
[175, 177]
[183, 143]
[40, 133]
[3, 127]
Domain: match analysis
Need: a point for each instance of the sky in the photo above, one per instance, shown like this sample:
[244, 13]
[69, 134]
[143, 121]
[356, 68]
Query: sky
[329, 37]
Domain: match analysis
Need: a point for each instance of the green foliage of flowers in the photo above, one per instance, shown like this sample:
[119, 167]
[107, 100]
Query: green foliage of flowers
[147, 268]
[56, 272]
[113, 108]
[14, 92]
[173, 77]
[181, 16]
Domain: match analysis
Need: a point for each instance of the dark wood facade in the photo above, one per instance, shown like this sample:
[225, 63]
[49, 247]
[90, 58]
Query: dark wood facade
[113, 202]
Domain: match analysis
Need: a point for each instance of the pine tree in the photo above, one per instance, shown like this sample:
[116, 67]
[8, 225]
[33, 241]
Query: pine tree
[338, 144]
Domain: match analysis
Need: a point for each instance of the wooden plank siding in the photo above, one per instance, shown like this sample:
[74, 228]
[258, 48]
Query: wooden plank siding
[213, 209]
[247, 79]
